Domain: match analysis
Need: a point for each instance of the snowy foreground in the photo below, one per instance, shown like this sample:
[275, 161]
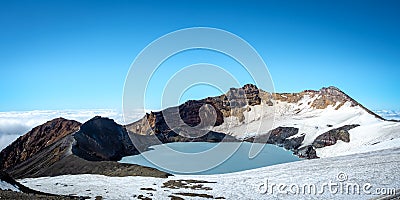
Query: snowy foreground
[358, 176]
[7, 186]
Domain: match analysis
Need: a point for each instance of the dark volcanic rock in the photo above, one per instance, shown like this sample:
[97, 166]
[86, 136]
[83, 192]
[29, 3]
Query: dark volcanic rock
[331, 137]
[189, 113]
[210, 136]
[143, 142]
[276, 136]
[101, 139]
[307, 152]
[280, 134]
[293, 143]
[36, 140]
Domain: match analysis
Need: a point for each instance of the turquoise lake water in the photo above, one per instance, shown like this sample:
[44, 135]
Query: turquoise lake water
[209, 158]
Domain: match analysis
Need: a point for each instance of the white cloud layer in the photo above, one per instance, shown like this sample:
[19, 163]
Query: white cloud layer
[389, 114]
[16, 123]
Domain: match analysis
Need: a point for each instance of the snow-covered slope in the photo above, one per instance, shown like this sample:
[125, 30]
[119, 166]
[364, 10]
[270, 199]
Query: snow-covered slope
[312, 123]
[374, 133]
[7, 186]
[8, 183]
[377, 172]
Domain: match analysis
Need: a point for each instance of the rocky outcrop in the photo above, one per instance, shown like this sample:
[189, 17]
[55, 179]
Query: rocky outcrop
[101, 139]
[293, 143]
[327, 96]
[233, 103]
[332, 136]
[210, 136]
[307, 152]
[286, 137]
[143, 142]
[36, 140]
[77, 151]
[280, 136]
[332, 96]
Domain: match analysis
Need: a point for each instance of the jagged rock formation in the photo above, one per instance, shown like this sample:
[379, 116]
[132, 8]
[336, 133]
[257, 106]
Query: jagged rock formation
[231, 103]
[332, 136]
[293, 143]
[307, 152]
[281, 136]
[327, 96]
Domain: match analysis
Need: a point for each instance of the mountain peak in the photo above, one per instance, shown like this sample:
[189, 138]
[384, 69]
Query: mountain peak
[35, 140]
[331, 90]
[103, 136]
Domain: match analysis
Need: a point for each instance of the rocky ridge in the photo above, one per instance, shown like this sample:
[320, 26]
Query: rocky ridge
[237, 102]
[36, 140]
[63, 146]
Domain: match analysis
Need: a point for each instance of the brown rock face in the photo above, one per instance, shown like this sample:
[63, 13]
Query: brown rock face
[279, 136]
[233, 103]
[325, 97]
[330, 96]
[291, 97]
[36, 140]
[332, 136]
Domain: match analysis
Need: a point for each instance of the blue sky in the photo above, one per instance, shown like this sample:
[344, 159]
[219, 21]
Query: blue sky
[76, 54]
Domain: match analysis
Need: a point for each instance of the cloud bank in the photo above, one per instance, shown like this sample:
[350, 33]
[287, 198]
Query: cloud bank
[389, 114]
[16, 123]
